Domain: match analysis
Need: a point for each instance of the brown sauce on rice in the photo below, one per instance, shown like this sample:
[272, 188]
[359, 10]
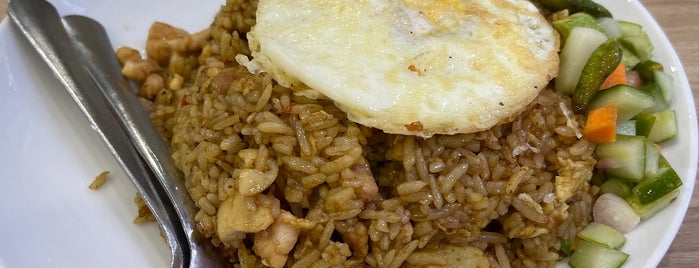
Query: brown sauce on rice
[284, 180]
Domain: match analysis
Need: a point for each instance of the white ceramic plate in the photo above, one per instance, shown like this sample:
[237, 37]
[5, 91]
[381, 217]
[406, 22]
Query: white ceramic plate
[49, 154]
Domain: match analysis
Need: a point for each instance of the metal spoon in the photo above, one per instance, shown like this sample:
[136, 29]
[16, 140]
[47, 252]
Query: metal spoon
[91, 41]
[42, 26]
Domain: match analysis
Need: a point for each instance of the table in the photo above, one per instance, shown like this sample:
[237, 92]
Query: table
[680, 21]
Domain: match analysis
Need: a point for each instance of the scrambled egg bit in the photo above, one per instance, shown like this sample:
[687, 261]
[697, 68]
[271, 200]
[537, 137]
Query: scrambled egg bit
[415, 67]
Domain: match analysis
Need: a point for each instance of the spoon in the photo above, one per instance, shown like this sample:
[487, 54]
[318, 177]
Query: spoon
[166, 197]
[91, 41]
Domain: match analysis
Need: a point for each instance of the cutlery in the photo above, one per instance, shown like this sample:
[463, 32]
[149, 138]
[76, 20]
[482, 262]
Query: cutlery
[78, 52]
[93, 44]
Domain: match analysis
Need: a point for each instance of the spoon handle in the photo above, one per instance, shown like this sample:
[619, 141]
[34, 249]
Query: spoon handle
[97, 55]
[40, 23]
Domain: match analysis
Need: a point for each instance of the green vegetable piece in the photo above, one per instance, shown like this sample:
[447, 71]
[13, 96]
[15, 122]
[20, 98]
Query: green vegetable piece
[619, 187]
[589, 254]
[602, 234]
[652, 160]
[645, 70]
[629, 59]
[625, 158]
[564, 26]
[659, 102]
[630, 29]
[662, 92]
[636, 40]
[648, 210]
[565, 247]
[629, 101]
[575, 6]
[652, 189]
[644, 123]
[626, 127]
[665, 126]
[602, 62]
[664, 180]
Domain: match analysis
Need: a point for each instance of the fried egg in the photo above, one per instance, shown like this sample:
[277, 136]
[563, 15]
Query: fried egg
[415, 67]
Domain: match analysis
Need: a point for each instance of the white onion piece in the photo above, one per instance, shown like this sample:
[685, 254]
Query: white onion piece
[614, 212]
[610, 26]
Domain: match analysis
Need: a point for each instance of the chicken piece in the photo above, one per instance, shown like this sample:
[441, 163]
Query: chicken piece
[138, 69]
[254, 181]
[274, 244]
[151, 86]
[236, 215]
[164, 40]
[356, 236]
[369, 190]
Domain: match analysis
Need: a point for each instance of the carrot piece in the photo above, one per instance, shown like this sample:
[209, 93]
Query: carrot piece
[600, 126]
[618, 76]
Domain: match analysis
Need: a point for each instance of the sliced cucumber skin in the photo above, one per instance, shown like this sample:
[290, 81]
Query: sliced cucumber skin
[591, 255]
[629, 101]
[663, 183]
[602, 234]
[665, 84]
[644, 123]
[636, 40]
[629, 153]
[566, 25]
[653, 89]
[619, 187]
[664, 127]
[648, 210]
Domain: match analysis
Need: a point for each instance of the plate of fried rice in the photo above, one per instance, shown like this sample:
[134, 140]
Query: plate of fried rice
[347, 194]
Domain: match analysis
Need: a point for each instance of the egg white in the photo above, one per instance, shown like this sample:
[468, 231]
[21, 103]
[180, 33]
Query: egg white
[417, 67]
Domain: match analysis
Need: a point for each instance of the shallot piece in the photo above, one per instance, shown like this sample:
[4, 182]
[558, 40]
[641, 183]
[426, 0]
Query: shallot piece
[615, 212]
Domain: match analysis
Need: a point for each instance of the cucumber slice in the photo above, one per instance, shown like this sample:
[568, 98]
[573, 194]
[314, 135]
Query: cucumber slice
[629, 100]
[589, 254]
[644, 123]
[664, 83]
[629, 59]
[579, 46]
[626, 157]
[629, 28]
[665, 126]
[660, 87]
[626, 127]
[602, 234]
[652, 160]
[654, 90]
[616, 186]
[652, 189]
[636, 40]
[648, 210]
[566, 25]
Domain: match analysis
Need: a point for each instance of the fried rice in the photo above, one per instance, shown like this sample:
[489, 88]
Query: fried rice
[284, 180]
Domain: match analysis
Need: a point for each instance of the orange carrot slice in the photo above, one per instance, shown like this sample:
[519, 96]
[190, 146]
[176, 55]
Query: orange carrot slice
[618, 76]
[600, 126]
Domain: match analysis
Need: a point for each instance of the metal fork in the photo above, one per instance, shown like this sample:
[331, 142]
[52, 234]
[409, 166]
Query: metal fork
[78, 52]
